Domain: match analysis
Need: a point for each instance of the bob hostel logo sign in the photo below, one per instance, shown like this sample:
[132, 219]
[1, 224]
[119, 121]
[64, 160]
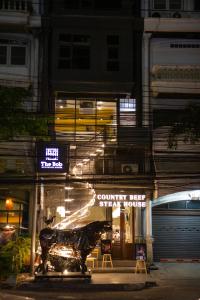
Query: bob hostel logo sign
[51, 158]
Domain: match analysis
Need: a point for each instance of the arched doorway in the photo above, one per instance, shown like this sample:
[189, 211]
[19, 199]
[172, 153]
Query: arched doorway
[176, 226]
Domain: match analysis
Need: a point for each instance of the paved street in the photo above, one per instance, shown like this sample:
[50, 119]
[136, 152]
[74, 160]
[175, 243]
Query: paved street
[174, 282]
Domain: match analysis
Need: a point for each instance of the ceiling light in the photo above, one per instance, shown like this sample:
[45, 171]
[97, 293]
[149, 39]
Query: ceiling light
[69, 200]
[92, 154]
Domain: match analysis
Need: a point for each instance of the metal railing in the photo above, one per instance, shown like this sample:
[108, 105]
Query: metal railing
[15, 5]
[176, 72]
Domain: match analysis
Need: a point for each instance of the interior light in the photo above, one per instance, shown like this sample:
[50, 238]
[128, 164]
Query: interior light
[69, 200]
[116, 212]
[99, 150]
[86, 159]
[72, 147]
[61, 211]
[92, 154]
[61, 106]
[69, 188]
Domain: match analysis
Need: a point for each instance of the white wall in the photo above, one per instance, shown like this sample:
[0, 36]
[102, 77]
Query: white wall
[163, 54]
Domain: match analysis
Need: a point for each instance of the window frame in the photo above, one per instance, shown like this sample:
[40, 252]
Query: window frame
[73, 45]
[167, 5]
[112, 63]
[11, 43]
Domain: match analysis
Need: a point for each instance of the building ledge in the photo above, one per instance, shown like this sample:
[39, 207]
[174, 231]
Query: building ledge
[171, 25]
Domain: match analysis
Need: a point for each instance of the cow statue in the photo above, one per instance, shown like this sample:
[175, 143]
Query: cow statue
[81, 241]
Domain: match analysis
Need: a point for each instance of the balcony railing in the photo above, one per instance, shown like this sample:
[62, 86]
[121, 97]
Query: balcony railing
[180, 73]
[15, 5]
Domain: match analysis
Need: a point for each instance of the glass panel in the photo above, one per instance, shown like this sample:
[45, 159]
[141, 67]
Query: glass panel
[65, 117]
[128, 225]
[106, 120]
[193, 204]
[91, 119]
[112, 39]
[175, 4]
[159, 4]
[177, 205]
[113, 66]
[196, 5]
[127, 104]
[128, 112]
[116, 225]
[81, 57]
[3, 55]
[18, 55]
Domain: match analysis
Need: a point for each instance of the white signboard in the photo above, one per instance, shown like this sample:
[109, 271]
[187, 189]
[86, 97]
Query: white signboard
[119, 200]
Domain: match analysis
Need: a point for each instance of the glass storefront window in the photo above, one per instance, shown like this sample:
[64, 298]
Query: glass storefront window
[85, 119]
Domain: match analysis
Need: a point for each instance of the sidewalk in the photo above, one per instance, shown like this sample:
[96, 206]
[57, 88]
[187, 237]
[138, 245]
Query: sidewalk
[117, 278]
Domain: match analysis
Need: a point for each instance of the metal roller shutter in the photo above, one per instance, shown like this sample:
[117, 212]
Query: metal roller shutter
[176, 237]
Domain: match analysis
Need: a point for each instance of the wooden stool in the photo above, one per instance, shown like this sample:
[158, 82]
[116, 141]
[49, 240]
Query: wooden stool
[107, 259]
[140, 266]
[93, 258]
[90, 261]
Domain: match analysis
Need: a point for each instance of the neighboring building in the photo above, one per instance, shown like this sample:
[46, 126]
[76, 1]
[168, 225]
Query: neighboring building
[93, 75]
[171, 56]
[20, 23]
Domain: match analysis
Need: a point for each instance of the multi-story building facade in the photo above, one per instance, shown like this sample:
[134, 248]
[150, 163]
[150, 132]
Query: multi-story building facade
[93, 80]
[20, 23]
[171, 72]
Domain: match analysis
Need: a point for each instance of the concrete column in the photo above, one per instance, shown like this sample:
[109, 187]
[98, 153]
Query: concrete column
[41, 206]
[148, 227]
[34, 225]
[145, 78]
[138, 224]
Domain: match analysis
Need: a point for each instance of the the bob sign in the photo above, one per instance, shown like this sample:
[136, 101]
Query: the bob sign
[119, 200]
[51, 157]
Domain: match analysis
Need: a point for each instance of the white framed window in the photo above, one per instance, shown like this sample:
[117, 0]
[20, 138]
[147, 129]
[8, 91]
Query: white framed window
[13, 52]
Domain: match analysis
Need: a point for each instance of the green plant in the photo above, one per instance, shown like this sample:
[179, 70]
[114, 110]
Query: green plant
[14, 256]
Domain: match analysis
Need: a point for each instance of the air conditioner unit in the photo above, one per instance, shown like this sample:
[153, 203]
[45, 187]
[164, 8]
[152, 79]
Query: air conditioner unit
[129, 168]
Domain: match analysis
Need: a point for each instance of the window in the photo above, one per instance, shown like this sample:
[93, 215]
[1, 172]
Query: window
[184, 45]
[196, 5]
[112, 53]
[128, 112]
[13, 52]
[167, 4]
[74, 51]
[159, 4]
[175, 4]
[127, 104]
